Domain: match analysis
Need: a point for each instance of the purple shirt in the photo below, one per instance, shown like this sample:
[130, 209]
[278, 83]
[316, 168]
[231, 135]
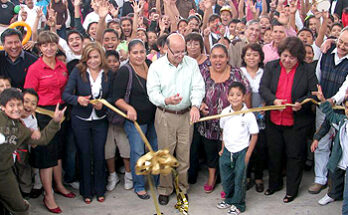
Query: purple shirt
[216, 98]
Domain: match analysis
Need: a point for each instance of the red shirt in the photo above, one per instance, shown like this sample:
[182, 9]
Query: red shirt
[284, 117]
[48, 83]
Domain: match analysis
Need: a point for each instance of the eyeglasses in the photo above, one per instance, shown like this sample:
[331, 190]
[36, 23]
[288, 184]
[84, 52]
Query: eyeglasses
[177, 54]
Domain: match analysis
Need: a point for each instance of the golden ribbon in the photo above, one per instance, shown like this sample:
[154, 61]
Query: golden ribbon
[265, 108]
[181, 201]
[47, 113]
[160, 162]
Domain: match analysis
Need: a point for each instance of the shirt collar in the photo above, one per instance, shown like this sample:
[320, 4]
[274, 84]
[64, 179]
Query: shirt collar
[21, 55]
[99, 74]
[335, 52]
[243, 108]
[58, 64]
[169, 63]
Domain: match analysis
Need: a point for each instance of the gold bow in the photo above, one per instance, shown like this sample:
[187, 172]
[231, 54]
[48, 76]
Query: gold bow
[160, 162]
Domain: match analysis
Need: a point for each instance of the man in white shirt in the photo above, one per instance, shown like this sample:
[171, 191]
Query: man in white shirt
[31, 13]
[176, 86]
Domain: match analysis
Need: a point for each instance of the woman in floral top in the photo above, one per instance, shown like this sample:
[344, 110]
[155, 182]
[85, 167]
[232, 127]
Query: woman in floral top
[195, 49]
[218, 77]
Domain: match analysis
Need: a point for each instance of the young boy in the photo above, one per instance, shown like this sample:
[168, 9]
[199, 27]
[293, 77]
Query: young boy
[338, 161]
[12, 135]
[237, 147]
[22, 166]
[4, 83]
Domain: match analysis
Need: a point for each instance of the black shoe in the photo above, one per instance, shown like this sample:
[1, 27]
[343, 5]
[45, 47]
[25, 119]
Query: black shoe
[144, 196]
[249, 183]
[25, 196]
[35, 193]
[259, 187]
[288, 198]
[163, 200]
[269, 192]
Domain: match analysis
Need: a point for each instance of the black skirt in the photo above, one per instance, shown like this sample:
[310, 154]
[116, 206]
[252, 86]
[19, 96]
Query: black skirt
[46, 156]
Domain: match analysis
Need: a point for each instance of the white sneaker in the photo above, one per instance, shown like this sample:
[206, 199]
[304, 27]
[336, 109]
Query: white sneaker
[325, 200]
[75, 185]
[223, 205]
[113, 180]
[128, 181]
[233, 210]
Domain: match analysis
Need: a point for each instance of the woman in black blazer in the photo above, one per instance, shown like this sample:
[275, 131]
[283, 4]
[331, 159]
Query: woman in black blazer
[90, 80]
[288, 80]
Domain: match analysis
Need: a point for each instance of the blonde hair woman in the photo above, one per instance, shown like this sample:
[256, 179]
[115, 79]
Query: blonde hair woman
[90, 80]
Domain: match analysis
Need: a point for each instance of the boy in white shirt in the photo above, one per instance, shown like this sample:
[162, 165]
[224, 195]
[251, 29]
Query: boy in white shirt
[22, 166]
[239, 139]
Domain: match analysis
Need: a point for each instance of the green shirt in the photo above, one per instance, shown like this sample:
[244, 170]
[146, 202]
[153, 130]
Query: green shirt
[13, 134]
[165, 80]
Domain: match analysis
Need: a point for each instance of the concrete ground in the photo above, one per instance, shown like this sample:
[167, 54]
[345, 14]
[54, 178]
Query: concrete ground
[121, 201]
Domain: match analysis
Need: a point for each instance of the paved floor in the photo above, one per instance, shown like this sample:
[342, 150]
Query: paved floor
[121, 201]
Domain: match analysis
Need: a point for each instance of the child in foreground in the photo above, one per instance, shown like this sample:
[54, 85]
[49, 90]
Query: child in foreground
[12, 135]
[237, 147]
[338, 161]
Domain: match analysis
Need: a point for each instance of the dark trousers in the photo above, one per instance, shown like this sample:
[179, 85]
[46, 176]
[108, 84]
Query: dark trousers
[69, 159]
[291, 142]
[10, 196]
[90, 142]
[258, 160]
[337, 184]
[194, 156]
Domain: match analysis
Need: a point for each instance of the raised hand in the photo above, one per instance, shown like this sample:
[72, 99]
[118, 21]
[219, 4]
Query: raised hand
[58, 114]
[319, 94]
[113, 11]
[77, 3]
[103, 8]
[293, 7]
[39, 12]
[137, 7]
[207, 4]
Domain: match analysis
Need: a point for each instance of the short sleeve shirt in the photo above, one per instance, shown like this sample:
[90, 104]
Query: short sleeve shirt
[237, 129]
[7, 12]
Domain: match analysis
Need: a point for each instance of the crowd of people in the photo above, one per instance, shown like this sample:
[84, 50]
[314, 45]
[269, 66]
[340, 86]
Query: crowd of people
[166, 64]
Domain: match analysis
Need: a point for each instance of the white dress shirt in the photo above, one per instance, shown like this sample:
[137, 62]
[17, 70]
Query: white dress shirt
[96, 90]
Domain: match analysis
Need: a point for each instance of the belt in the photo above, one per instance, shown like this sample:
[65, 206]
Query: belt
[178, 112]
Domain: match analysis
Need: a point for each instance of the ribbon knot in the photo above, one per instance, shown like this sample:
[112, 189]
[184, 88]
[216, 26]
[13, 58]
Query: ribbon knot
[155, 163]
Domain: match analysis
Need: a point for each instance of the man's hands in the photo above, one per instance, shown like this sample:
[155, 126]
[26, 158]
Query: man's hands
[173, 100]
[194, 114]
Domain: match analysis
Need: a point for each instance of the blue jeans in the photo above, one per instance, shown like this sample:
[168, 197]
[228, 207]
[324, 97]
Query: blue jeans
[137, 149]
[345, 195]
